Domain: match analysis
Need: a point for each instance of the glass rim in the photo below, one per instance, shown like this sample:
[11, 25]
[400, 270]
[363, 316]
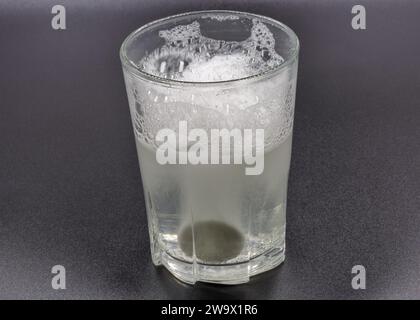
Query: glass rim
[133, 68]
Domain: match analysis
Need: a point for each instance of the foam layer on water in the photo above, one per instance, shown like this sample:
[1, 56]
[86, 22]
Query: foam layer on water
[187, 55]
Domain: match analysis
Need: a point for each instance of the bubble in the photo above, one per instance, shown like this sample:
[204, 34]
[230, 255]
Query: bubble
[220, 17]
[187, 55]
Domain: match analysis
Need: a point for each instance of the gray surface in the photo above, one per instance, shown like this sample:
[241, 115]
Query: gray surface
[70, 190]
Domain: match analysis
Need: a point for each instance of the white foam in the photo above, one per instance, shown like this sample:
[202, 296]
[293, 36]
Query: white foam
[187, 55]
[218, 68]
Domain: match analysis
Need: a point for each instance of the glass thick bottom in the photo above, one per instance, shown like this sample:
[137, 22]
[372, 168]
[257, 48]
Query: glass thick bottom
[228, 274]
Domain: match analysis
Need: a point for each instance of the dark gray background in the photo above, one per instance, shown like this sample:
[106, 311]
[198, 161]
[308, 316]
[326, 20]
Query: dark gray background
[70, 187]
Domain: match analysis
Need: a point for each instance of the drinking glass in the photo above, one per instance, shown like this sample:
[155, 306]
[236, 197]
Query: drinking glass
[211, 97]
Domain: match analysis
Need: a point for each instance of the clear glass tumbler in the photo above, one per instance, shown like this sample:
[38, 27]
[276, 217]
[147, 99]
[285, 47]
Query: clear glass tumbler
[211, 98]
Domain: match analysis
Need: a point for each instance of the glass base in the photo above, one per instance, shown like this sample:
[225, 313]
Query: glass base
[230, 274]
